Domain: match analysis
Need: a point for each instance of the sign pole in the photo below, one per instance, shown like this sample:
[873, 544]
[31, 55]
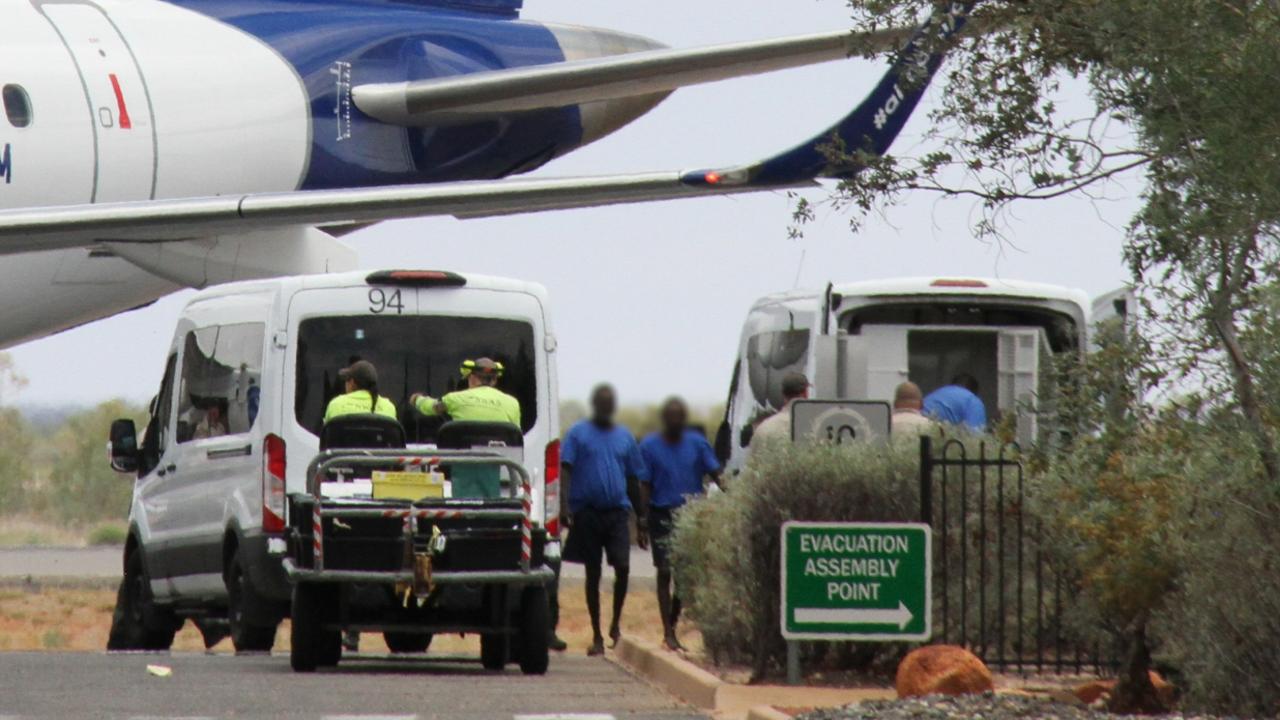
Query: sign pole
[793, 663]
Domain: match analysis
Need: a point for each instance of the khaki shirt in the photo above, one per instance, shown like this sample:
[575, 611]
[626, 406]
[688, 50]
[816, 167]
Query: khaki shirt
[911, 423]
[777, 425]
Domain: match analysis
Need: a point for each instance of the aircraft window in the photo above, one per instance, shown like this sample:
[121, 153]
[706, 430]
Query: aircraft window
[17, 106]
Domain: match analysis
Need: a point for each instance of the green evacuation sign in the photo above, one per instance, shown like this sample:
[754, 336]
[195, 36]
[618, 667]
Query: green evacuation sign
[856, 581]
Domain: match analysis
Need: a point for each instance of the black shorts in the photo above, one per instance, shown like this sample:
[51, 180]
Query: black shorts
[600, 532]
[661, 522]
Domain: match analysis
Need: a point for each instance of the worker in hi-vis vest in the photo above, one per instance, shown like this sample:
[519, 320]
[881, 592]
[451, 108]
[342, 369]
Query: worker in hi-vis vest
[361, 393]
[482, 401]
[361, 397]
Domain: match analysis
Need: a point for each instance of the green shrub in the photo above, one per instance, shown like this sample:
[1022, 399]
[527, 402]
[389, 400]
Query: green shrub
[1111, 510]
[81, 485]
[1222, 630]
[726, 548]
[1225, 619]
[108, 534]
[16, 440]
[53, 639]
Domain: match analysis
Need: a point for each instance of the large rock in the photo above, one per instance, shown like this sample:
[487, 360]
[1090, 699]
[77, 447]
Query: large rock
[942, 670]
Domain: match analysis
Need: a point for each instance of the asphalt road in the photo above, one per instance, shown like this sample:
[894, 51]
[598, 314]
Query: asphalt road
[85, 685]
[47, 562]
[104, 563]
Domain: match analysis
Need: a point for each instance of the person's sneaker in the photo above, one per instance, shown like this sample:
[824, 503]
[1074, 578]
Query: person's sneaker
[615, 634]
[672, 642]
[555, 643]
[597, 647]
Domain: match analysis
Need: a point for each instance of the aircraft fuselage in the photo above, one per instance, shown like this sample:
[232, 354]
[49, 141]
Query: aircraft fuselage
[136, 100]
[146, 99]
[147, 145]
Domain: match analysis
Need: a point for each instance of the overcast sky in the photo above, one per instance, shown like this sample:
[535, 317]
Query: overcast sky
[652, 297]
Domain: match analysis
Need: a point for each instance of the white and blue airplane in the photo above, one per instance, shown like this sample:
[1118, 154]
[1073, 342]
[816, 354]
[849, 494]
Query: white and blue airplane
[148, 145]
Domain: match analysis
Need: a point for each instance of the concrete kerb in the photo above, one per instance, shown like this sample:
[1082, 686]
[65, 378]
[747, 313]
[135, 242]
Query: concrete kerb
[703, 690]
[669, 671]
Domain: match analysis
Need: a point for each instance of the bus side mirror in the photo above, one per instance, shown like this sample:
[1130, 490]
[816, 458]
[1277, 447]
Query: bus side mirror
[724, 440]
[123, 447]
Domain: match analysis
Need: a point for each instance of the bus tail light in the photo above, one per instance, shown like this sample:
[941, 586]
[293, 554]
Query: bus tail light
[417, 278]
[957, 283]
[551, 489]
[273, 466]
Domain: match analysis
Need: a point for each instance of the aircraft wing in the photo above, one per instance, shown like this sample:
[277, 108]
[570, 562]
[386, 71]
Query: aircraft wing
[633, 74]
[871, 126]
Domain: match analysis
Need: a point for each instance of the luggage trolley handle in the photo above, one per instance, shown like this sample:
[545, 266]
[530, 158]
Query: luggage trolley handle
[325, 462]
[382, 459]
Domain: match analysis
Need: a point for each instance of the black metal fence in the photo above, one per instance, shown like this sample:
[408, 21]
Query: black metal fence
[995, 591]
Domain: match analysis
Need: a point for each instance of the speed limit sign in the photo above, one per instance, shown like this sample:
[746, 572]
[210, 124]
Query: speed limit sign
[839, 421]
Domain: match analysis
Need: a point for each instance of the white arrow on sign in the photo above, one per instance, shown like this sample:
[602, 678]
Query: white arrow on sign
[899, 616]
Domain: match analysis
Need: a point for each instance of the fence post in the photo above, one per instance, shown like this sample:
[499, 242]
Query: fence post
[926, 480]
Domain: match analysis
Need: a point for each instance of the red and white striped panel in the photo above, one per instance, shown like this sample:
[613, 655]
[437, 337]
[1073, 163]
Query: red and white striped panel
[317, 531]
[526, 539]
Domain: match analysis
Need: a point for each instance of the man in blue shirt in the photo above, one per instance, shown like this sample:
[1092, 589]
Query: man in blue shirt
[958, 404]
[678, 460]
[600, 473]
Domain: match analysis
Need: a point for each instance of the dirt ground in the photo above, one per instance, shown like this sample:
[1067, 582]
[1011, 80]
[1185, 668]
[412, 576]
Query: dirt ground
[79, 620]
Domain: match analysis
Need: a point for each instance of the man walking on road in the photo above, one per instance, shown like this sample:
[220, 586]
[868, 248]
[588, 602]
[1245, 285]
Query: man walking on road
[678, 460]
[601, 470]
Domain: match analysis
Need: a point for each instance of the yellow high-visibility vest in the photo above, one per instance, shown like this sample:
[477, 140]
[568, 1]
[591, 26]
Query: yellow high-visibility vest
[482, 403]
[358, 402]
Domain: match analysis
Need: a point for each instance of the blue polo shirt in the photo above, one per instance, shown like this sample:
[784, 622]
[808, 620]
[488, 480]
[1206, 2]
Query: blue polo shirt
[957, 406]
[676, 468]
[601, 460]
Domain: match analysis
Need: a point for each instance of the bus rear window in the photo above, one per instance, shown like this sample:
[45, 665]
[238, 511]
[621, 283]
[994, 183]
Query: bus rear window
[771, 356]
[412, 354]
[1061, 330]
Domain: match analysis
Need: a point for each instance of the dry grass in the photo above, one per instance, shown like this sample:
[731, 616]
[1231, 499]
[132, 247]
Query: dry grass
[55, 619]
[20, 531]
[79, 620]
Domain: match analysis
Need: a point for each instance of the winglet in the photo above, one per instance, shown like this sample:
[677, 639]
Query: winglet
[872, 126]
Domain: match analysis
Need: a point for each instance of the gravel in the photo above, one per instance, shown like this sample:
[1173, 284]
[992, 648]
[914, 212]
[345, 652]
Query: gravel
[988, 706]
